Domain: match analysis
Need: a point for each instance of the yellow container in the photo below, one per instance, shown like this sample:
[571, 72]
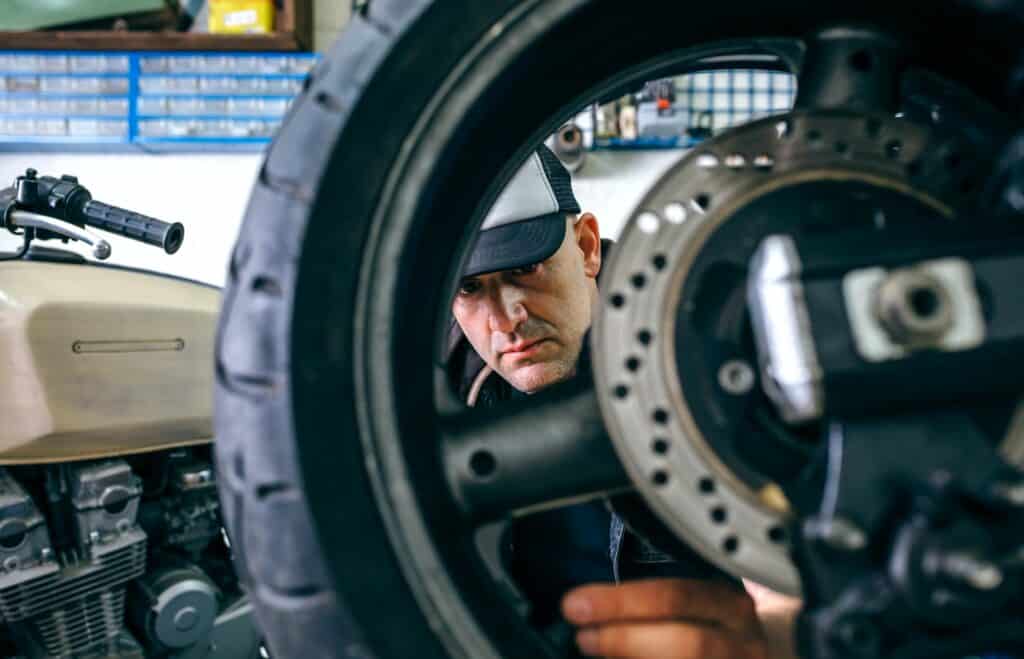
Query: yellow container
[241, 16]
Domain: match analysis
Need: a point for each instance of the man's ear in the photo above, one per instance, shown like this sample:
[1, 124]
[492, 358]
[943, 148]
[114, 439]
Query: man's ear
[588, 239]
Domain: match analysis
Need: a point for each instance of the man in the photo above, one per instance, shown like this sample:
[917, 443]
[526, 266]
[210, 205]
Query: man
[522, 310]
[524, 305]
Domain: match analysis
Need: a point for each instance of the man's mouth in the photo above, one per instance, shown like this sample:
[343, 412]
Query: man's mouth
[523, 349]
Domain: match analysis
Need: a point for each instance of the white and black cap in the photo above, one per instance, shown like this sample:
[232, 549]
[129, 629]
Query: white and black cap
[527, 223]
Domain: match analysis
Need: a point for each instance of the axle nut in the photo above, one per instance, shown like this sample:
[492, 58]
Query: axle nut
[914, 308]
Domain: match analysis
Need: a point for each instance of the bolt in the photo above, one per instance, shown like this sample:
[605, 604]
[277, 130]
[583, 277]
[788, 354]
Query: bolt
[12, 563]
[838, 533]
[46, 554]
[914, 307]
[101, 250]
[976, 573]
[94, 537]
[736, 377]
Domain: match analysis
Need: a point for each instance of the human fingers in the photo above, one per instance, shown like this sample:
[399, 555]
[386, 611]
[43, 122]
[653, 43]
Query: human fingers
[710, 602]
[668, 640]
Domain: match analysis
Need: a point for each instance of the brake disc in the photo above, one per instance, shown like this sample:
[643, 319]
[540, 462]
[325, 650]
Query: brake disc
[659, 371]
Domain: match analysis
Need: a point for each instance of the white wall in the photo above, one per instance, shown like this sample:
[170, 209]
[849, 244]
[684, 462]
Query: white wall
[611, 183]
[207, 193]
[328, 18]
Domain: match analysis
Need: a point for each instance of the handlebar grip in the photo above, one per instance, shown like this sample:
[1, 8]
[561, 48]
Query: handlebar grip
[134, 225]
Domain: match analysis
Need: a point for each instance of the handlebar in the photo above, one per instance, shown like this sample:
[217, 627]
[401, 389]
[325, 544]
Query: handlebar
[134, 225]
[71, 208]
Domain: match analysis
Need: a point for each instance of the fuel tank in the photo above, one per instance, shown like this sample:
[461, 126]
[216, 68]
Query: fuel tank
[101, 361]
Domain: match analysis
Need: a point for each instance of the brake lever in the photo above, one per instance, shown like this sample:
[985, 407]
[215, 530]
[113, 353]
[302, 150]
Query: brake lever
[29, 220]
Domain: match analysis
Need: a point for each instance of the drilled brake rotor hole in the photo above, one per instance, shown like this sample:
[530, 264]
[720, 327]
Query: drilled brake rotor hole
[777, 534]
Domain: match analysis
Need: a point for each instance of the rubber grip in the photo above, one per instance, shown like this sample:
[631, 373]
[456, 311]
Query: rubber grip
[134, 225]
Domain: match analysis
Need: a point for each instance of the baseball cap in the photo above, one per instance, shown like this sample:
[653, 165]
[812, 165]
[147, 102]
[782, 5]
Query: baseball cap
[527, 222]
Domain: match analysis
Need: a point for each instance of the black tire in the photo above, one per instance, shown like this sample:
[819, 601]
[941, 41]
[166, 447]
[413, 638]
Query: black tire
[323, 493]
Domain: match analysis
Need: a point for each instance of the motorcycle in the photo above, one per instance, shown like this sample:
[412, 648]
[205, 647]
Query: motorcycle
[111, 541]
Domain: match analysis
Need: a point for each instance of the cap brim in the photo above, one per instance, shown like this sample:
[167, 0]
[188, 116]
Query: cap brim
[516, 245]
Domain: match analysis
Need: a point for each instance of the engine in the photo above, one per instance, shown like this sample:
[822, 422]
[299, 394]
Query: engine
[118, 558]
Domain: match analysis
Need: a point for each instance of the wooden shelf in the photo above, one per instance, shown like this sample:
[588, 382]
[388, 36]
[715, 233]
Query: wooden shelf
[293, 22]
[174, 41]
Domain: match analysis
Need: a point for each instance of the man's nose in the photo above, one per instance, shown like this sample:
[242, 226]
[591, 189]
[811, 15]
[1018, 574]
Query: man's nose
[507, 310]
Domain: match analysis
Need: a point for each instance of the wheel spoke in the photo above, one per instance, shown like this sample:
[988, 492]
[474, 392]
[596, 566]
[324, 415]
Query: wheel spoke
[549, 450]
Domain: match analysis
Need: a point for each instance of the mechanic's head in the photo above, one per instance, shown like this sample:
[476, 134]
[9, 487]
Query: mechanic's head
[527, 295]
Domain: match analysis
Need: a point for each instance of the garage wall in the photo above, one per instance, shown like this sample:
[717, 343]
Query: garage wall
[208, 194]
[328, 18]
[611, 183]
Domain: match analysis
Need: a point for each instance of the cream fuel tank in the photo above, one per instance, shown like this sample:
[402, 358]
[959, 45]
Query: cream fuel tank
[101, 362]
[111, 540]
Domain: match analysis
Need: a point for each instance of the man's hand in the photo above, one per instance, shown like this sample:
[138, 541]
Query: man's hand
[666, 619]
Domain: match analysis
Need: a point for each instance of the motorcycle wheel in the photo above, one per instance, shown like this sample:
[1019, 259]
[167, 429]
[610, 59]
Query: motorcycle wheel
[332, 421]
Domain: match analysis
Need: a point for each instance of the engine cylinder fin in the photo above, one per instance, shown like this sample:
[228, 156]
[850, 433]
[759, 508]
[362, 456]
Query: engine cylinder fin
[83, 626]
[29, 597]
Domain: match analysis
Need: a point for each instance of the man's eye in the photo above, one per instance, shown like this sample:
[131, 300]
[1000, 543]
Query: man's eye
[469, 287]
[527, 269]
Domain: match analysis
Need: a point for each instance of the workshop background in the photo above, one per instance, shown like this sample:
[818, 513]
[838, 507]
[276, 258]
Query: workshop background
[180, 134]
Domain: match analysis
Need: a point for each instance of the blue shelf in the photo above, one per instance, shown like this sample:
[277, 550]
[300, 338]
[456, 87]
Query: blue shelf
[619, 144]
[229, 81]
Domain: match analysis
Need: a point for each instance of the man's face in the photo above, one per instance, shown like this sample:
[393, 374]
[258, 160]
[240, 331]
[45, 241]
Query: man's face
[528, 324]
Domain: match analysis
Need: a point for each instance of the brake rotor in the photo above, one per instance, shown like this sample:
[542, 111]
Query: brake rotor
[664, 394]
